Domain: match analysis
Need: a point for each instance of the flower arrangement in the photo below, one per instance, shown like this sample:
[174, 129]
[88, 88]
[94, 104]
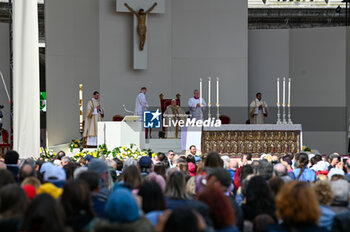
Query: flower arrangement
[75, 144]
[307, 149]
[132, 151]
[122, 152]
[47, 154]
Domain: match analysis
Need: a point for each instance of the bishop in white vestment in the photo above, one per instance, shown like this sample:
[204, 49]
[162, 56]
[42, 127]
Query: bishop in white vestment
[141, 103]
[172, 115]
[94, 114]
[258, 110]
[194, 104]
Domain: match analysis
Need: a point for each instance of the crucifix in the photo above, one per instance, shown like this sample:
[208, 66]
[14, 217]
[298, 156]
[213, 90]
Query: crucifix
[140, 10]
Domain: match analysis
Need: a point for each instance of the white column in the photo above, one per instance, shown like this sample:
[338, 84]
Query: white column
[26, 104]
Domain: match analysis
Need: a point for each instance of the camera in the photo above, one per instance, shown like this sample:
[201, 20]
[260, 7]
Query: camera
[1, 106]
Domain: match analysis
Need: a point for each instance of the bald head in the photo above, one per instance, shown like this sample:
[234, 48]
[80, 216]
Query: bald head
[280, 170]
[233, 164]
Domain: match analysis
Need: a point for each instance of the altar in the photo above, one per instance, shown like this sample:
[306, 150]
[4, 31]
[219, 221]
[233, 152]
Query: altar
[237, 139]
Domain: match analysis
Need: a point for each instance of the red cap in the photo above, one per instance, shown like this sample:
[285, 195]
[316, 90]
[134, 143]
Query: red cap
[30, 191]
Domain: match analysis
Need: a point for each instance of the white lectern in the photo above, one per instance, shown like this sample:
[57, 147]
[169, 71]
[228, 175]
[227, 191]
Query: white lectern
[124, 133]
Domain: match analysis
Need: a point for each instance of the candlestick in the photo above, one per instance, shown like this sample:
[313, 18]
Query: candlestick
[284, 92]
[200, 96]
[217, 98]
[289, 83]
[284, 101]
[81, 113]
[209, 91]
[209, 97]
[278, 102]
[289, 93]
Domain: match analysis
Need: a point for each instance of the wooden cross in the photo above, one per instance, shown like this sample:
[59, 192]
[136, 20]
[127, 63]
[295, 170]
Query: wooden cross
[140, 43]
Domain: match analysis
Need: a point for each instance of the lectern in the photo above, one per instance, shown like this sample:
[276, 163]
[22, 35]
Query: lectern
[124, 133]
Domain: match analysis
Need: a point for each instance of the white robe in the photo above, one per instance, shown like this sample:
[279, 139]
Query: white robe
[173, 114]
[257, 116]
[141, 105]
[196, 111]
[91, 119]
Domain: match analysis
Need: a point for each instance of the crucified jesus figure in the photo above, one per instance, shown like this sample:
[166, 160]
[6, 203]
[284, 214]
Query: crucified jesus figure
[141, 27]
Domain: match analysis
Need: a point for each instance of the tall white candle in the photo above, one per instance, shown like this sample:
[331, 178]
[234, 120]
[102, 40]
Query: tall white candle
[289, 84]
[81, 105]
[278, 91]
[209, 91]
[217, 91]
[200, 92]
[284, 92]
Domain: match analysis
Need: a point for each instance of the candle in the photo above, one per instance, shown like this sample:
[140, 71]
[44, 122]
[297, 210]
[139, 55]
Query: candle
[278, 91]
[217, 91]
[289, 84]
[81, 114]
[209, 90]
[200, 92]
[284, 92]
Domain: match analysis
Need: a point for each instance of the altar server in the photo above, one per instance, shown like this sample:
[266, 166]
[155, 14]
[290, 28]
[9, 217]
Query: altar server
[195, 107]
[141, 103]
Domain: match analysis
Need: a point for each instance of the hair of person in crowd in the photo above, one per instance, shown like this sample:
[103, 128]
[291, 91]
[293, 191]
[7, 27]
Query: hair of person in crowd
[261, 222]
[69, 168]
[176, 186]
[13, 201]
[160, 169]
[341, 192]
[6, 177]
[119, 164]
[303, 161]
[132, 176]
[45, 213]
[11, 157]
[296, 204]
[245, 171]
[90, 178]
[259, 197]
[213, 160]
[31, 181]
[191, 186]
[275, 184]
[152, 197]
[129, 162]
[76, 198]
[182, 219]
[265, 169]
[60, 155]
[220, 209]
[323, 192]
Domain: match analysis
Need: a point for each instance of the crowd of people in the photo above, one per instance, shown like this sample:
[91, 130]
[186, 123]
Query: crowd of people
[300, 192]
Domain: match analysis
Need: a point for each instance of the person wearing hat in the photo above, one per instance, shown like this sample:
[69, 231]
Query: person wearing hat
[53, 174]
[145, 166]
[122, 214]
[100, 167]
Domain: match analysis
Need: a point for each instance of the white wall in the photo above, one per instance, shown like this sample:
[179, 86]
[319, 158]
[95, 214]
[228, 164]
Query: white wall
[89, 42]
[316, 61]
[5, 69]
[72, 57]
[193, 39]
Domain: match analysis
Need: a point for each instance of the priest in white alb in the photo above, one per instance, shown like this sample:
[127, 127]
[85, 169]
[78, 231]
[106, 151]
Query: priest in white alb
[141, 103]
[94, 114]
[172, 115]
[195, 107]
[258, 110]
